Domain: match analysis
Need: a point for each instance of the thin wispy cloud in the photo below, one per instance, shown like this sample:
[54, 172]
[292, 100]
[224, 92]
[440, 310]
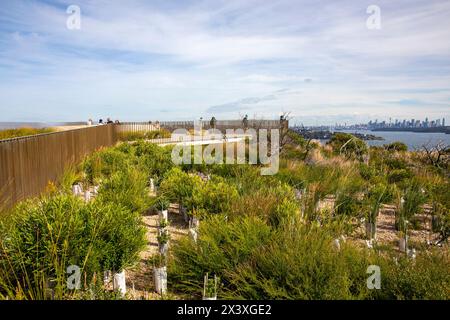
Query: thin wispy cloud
[142, 60]
[242, 104]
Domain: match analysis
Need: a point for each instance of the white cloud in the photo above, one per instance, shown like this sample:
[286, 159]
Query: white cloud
[135, 58]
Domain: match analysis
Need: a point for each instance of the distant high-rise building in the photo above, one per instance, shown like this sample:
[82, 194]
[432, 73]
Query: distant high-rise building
[443, 122]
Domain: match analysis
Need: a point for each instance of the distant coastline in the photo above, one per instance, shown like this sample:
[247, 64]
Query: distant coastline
[422, 130]
[37, 125]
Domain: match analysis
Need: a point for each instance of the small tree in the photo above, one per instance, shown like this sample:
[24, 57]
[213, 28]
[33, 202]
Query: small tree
[214, 196]
[437, 155]
[178, 185]
[348, 145]
[413, 199]
[373, 202]
[396, 146]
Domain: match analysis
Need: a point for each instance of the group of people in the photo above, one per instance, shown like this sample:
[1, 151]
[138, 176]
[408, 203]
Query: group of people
[100, 121]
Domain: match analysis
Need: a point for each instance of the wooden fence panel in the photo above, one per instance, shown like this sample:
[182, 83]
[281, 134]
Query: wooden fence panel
[28, 164]
[172, 125]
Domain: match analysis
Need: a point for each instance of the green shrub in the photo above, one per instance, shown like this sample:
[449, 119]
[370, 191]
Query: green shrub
[21, 132]
[122, 239]
[298, 261]
[127, 188]
[213, 196]
[398, 175]
[349, 145]
[413, 199]
[396, 146]
[367, 172]
[153, 159]
[348, 204]
[179, 186]
[426, 277]
[220, 248]
[104, 163]
[138, 135]
[301, 263]
[41, 238]
[395, 163]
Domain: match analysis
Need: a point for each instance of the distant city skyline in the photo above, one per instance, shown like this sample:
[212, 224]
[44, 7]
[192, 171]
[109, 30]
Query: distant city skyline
[389, 122]
[182, 60]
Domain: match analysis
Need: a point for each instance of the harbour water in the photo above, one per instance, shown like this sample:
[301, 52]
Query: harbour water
[414, 140]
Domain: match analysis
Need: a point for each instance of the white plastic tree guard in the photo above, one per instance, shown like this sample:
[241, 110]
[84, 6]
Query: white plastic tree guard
[193, 234]
[163, 248]
[337, 244]
[160, 280]
[77, 190]
[207, 294]
[412, 253]
[87, 196]
[194, 223]
[152, 185]
[163, 215]
[371, 230]
[119, 283]
[106, 277]
[403, 244]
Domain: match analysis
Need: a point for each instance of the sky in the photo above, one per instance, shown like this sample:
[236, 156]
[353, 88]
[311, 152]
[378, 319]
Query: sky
[182, 60]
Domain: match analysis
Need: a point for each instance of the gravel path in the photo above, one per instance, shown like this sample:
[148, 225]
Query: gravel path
[140, 278]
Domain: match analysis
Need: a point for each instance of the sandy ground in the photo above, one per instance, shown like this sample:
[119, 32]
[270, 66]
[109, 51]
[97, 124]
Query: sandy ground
[386, 233]
[140, 278]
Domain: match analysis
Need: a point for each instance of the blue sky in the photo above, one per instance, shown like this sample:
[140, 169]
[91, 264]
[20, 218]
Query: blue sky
[149, 60]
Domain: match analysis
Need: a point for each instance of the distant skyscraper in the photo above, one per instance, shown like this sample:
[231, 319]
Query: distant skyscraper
[443, 122]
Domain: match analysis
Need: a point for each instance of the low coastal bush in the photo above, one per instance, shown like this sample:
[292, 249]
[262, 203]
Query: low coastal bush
[298, 261]
[21, 132]
[212, 196]
[426, 277]
[178, 186]
[396, 146]
[155, 161]
[43, 237]
[348, 145]
[398, 175]
[138, 135]
[127, 187]
[104, 163]
[221, 248]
